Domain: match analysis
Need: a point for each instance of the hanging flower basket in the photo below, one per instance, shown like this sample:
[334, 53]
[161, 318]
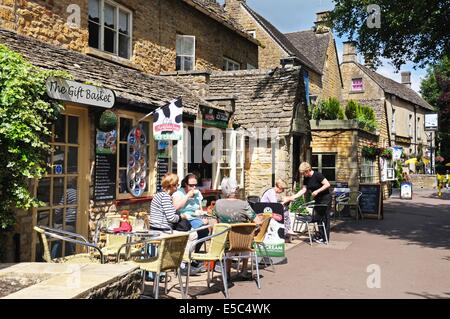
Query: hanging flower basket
[108, 121]
[370, 152]
[386, 153]
[439, 158]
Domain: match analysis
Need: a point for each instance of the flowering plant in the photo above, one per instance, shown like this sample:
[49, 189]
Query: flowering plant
[386, 153]
[439, 158]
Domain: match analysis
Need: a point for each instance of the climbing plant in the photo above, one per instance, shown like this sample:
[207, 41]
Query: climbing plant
[26, 113]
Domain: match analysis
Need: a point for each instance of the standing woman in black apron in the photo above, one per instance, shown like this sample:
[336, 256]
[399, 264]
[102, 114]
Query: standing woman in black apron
[318, 185]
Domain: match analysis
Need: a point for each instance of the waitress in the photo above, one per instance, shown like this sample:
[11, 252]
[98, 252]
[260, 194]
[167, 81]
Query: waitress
[318, 185]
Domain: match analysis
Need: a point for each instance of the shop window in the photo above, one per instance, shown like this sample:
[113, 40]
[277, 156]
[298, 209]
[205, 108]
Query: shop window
[185, 47]
[326, 164]
[368, 171]
[230, 65]
[357, 84]
[110, 26]
[127, 121]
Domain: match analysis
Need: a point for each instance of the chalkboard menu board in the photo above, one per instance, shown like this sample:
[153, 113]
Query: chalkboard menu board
[371, 201]
[162, 169]
[105, 177]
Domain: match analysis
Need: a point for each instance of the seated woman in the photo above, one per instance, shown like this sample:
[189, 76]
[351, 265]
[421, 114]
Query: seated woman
[187, 200]
[231, 210]
[272, 196]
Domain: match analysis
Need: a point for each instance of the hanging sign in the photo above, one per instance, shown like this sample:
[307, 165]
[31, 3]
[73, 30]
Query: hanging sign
[137, 165]
[167, 121]
[66, 90]
[431, 122]
[216, 118]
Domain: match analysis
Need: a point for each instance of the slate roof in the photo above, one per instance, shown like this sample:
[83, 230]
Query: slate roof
[281, 39]
[264, 98]
[218, 13]
[131, 86]
[400, 90]
[313, 46]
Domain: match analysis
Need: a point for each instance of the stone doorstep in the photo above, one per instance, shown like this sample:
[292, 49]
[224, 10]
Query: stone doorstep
[68, 280]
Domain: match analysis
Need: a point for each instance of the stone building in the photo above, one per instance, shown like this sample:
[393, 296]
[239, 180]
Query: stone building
[399, 109]
[143, 38]
[275, 47]
[151, 35]
[319, 46]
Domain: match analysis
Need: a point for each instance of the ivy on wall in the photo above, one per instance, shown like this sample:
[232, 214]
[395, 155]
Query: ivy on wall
[26, 113]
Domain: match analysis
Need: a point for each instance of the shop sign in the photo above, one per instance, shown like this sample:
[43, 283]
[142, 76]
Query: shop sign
[66, 90]
[105, 165]
[397, 153]
[167, 121]
[216, 118]
[431, 122]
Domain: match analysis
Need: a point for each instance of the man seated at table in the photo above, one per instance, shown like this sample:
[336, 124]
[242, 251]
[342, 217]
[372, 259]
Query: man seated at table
[232, 210]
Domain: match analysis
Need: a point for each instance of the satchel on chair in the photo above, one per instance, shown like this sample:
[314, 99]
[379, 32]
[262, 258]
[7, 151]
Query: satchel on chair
[183, 225]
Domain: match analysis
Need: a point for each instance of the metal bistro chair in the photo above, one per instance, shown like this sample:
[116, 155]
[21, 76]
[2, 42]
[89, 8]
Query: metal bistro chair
[309, 218]
[215, 253]
[65, 236]
[259, 241]
[351, 200]
[240, 239]
[169, 257]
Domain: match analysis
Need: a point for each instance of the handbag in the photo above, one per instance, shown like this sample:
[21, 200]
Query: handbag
[183, 225]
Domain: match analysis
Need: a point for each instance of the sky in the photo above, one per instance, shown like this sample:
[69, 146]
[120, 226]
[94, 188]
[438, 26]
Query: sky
[295, 15]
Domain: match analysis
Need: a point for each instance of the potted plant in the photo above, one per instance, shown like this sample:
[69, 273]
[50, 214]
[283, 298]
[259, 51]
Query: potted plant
[370, 151]
[386, 153]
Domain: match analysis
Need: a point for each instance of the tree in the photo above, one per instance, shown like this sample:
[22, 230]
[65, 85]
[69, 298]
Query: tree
[409, 30]
[26, 113]
[435, 89]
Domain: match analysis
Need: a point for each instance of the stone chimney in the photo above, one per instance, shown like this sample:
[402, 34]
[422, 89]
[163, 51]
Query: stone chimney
[233, 7]
[349, 52]
[321, 22]
[406, 78]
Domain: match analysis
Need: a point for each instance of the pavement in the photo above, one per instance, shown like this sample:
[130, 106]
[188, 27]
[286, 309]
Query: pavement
[405, 255]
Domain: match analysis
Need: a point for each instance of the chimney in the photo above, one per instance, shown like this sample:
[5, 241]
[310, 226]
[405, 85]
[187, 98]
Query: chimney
[406, 78]
[349, 52]
[233, 7]
[321, 22]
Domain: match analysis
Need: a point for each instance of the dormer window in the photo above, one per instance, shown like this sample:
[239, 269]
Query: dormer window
[357, 84]
[230, 65]
[110, 26]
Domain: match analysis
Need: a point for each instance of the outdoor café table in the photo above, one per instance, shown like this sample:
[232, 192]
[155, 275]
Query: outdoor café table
[142, 235]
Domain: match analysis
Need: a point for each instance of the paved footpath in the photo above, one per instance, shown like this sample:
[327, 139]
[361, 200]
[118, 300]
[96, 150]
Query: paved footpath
[410, 249]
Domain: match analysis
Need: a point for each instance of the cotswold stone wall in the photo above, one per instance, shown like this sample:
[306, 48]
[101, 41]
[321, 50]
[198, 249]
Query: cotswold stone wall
[422, 181]
[331, 79]
[155, 26]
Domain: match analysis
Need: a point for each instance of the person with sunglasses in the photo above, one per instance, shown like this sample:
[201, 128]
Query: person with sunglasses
[188, 203]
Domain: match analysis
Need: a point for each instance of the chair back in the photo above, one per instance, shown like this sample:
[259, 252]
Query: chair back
[241, 237]
[43, 239]
[263, 227]
[217, 244]
[171, 251]
[354, 197]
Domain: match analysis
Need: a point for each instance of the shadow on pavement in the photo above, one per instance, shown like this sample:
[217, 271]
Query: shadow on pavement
[423, 221]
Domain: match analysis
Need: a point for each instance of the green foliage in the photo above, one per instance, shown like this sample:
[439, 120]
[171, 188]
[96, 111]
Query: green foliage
[295, 205]
[328, 110]
[26, 112]
[108, 121]
[351, 110]
[398, 174]
[414, 31]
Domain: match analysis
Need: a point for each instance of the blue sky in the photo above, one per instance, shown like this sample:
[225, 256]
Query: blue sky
[295, 15]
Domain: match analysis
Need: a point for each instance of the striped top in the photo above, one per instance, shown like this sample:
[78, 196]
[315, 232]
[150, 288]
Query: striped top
[162, 212]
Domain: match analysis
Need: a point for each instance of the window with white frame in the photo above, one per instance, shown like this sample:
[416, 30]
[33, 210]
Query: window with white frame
[185, 47]
[367, 174]
[110, 26]
[230, 65]
[326, 164]
[357, 84]
[250, 66]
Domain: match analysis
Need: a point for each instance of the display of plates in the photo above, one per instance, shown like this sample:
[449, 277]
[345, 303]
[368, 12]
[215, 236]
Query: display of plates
[137, 167]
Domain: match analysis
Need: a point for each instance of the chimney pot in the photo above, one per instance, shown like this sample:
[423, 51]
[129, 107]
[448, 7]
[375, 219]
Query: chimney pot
[321, 22]
[406, 78]
[349, 52]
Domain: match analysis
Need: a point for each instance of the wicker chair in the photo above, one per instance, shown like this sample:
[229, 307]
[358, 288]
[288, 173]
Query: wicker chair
[170, 255]
[259, 241]
[240, 238]
[55, 234]
[214, 253]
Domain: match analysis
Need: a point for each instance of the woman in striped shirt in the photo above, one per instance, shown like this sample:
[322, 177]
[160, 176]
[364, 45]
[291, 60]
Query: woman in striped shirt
[163, 215]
